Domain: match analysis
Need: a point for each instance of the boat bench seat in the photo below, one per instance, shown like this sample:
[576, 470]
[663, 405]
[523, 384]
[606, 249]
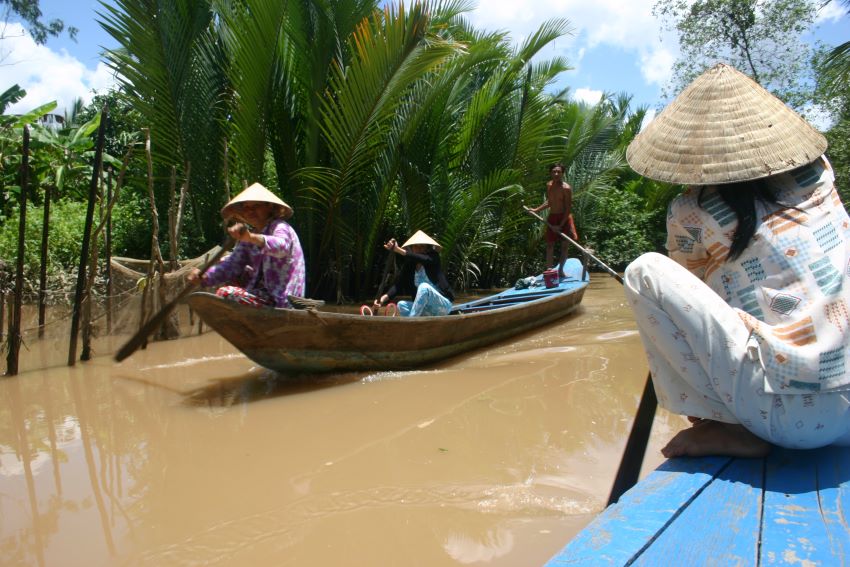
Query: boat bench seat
[792, 507]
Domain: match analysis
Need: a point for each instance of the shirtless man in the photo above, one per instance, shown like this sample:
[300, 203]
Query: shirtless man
[559, 201]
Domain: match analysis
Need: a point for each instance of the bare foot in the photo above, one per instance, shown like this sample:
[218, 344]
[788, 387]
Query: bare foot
[708, 437]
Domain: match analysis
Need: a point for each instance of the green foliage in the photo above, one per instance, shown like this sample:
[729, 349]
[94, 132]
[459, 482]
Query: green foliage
[30, 12]
[130, 235]
[626, 232]
[839, 155]
[761, 38]
[835, 75]
[67, 219]
[370, 122]
[131, 226]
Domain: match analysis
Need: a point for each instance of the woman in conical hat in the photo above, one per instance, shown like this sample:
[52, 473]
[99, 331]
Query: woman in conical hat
[746, 323]
[421, 278]
[267, 263]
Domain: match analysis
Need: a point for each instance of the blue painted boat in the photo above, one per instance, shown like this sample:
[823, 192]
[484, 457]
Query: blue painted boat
[789, 508]
[313, 340]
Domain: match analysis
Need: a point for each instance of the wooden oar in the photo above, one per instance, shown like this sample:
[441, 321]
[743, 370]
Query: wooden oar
[629, 470]
[156, 321]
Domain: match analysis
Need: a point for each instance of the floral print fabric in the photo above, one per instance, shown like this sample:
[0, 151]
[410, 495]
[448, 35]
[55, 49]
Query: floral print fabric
[271, 272]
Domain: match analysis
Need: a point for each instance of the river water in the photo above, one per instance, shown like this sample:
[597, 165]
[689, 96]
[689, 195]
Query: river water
[188, 454]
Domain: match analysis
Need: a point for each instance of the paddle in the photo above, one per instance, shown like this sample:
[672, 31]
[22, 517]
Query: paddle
[629, 470]
[154, 322]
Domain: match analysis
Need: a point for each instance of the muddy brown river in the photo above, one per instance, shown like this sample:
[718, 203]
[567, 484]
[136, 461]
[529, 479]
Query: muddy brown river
[189, 454]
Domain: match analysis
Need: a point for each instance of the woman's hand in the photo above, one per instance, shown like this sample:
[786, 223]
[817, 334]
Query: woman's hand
[239, 232]
[194, 276]
[380, 301]
[391, 245]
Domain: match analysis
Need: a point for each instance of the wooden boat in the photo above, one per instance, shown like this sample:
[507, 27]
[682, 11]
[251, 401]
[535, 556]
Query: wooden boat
[309, 340]
[790, 507]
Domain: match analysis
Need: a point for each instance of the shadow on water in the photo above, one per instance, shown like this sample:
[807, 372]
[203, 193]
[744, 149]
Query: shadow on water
[254, 387]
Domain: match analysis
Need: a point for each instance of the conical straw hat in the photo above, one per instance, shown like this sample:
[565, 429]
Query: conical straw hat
[421, 238]
[255, 192]
[723, 128]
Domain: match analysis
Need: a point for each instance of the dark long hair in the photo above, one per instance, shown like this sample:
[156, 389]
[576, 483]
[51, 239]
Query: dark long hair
[741, 198]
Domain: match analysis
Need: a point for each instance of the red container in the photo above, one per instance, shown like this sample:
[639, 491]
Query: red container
[550, 278]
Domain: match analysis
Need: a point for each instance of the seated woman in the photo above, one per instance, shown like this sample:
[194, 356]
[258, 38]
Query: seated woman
[421, 277]
[747, 323]
[267, 260]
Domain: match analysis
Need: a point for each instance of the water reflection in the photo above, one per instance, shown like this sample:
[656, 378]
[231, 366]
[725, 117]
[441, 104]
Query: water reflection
[187, 454]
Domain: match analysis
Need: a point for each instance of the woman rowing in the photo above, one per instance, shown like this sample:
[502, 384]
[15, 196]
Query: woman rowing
[421, 278]
[267, 264]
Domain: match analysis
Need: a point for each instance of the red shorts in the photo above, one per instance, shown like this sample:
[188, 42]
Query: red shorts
[569, 227]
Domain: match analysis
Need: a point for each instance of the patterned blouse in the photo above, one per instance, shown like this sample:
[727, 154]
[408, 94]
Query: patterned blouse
[274, 270]
[790, 285]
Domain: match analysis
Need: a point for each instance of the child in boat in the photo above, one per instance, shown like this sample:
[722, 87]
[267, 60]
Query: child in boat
[421, 277]
[559, 201]
[747, 323]
[267, 260]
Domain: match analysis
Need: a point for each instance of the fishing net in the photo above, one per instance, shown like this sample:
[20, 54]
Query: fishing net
[117, 312]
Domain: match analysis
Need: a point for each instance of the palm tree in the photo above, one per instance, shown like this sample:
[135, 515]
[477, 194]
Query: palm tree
[374, 122]
[171, 69]
[836, 68]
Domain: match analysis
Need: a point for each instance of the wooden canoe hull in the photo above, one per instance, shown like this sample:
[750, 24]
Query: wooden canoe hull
[290, 340]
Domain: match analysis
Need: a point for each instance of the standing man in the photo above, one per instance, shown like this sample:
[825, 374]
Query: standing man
[559, 201]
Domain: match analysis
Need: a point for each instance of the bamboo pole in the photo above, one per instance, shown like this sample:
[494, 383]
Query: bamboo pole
[172, 219]
[80, 293]
[107, 253]
[2, 314]
[42, 276]
[93, 260]
[156, 260]
[15, 314]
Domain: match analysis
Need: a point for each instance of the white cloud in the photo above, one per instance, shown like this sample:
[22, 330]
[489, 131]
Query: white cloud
[832, 12]
[590, 96]
[628, 26]
[46, 75]
[657, 65]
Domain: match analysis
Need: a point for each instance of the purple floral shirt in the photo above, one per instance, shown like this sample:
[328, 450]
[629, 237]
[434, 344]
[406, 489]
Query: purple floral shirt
[280, 262]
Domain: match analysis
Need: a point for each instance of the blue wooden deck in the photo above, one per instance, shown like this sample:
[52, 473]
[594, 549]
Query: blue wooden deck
[790, 508]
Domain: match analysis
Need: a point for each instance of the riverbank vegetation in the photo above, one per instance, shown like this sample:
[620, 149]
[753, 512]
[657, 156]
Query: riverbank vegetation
[371, 122]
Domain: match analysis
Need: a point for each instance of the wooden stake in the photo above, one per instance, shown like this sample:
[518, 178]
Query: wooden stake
[42, 278]
[15, 315]
[84, 252]
[107, 253]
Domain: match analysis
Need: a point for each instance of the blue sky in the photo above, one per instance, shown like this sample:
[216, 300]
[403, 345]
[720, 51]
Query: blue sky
[616, 46]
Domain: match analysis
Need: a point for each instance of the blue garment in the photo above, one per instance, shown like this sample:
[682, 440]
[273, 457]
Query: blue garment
[428, 301]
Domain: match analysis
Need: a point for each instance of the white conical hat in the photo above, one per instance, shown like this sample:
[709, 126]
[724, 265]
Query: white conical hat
[723, 128]
[255, 192]
[421, 238]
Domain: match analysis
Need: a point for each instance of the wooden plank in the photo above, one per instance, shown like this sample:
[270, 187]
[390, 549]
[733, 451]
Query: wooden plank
[720, 527]
[623, 530]
[804, 518]
[834, 486]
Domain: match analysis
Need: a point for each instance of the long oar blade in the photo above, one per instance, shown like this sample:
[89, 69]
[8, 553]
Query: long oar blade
[137, 340]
